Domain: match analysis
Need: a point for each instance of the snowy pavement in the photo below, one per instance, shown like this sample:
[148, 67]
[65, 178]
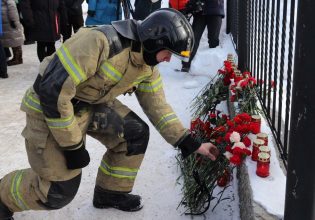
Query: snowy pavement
[157, 178]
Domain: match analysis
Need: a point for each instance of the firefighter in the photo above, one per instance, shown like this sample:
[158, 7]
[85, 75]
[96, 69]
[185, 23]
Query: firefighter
[75, 94]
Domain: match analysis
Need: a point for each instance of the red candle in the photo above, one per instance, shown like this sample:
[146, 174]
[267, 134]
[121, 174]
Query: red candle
[264, 137]
[256, 144]
[256, 124]
[263, 165]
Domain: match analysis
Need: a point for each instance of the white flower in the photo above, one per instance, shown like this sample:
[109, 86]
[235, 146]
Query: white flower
[239, 144]
[227, 154]
[235, 137]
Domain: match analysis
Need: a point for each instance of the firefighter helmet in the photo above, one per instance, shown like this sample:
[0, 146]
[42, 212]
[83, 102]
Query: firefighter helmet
[167, 28]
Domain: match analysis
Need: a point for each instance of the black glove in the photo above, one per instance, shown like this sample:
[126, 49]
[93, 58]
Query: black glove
[91, 13]
[78, 158]
[12, 24]
[188, 145]
[106, 120]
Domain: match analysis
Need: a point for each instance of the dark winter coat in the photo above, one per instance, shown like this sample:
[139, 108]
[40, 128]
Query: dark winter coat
[43, 18]
[145, 7]
[214, 7]
[74, 7]
[13, 35]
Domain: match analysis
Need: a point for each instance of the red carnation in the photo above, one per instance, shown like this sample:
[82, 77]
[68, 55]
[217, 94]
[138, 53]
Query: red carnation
[237, 120]
[247, 141]
[228, 148]
[236, 159]
[232, 98]
[247, 152]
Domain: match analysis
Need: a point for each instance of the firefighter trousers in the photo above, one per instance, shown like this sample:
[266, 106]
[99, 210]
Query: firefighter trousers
[48, 184]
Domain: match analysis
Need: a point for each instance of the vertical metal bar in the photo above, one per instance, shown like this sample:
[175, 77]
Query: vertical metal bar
[289, 76]
[275, 72]
[228, 16]
[259, 43]
[271, 64]
[256, 33]
[251, 20]
[247, 34]
[282, 57]
[266, 53]
[300, 190]
[262, 52]
[242, 36]
[253, 37]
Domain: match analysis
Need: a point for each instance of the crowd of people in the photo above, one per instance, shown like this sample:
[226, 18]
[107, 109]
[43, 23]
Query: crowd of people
[75, 94]
[64, 17]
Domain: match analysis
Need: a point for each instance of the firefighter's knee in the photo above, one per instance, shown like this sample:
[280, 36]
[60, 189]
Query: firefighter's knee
[62, 193]
[137, 134]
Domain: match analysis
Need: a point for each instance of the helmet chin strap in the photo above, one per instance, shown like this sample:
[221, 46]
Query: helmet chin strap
[150, 58]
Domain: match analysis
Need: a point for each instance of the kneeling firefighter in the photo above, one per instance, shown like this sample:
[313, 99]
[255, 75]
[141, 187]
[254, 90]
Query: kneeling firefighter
[75, 94]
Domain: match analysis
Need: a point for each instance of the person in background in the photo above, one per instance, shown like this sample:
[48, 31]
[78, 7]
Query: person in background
[75, 93]
[206, 13]
[27, 40]
[12, 29]
[75, 18]
[103, 12]
[3, 60]
[145, 7]
[43, 20]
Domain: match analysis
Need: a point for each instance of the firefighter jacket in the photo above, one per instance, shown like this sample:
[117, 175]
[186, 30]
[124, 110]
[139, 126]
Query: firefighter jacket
[90, 67]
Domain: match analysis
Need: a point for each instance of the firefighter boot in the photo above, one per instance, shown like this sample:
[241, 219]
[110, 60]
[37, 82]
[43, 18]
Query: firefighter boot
[118, 200]
[5, 213]
[17, 56]
[185, 67]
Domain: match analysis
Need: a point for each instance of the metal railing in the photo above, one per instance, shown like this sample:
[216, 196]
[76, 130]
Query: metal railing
[275, 41]
[263, 35]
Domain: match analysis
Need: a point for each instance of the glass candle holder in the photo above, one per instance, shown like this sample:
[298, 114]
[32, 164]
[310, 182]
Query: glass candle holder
[264, 137]
[264, 149]
[256, 122]
[230, 56]
[256, 144]
[263, 165]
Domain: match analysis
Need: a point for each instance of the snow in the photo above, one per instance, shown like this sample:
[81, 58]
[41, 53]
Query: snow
[157, 179]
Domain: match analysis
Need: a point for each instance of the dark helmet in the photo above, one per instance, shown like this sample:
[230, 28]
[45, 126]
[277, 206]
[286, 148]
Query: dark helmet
[167, 28]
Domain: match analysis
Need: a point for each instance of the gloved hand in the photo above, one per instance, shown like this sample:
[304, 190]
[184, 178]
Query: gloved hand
[106, 120]
[78, 158]
[91, 13]
[12, 24]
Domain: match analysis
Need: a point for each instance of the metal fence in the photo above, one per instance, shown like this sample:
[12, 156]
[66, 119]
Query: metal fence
[275, 41]
[263, 34]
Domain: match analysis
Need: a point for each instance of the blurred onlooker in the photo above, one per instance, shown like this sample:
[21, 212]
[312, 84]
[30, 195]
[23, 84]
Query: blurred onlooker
[103, 12]
[27, 40]
[43, 17]
[75, 18]
[145, 7]
[207, 13]
[12, 31]
[3, 61]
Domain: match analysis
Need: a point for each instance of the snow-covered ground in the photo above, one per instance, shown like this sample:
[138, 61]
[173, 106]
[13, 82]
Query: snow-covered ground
[157, 178]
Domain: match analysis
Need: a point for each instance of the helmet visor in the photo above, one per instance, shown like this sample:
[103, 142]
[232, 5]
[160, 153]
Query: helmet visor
[183, 56]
